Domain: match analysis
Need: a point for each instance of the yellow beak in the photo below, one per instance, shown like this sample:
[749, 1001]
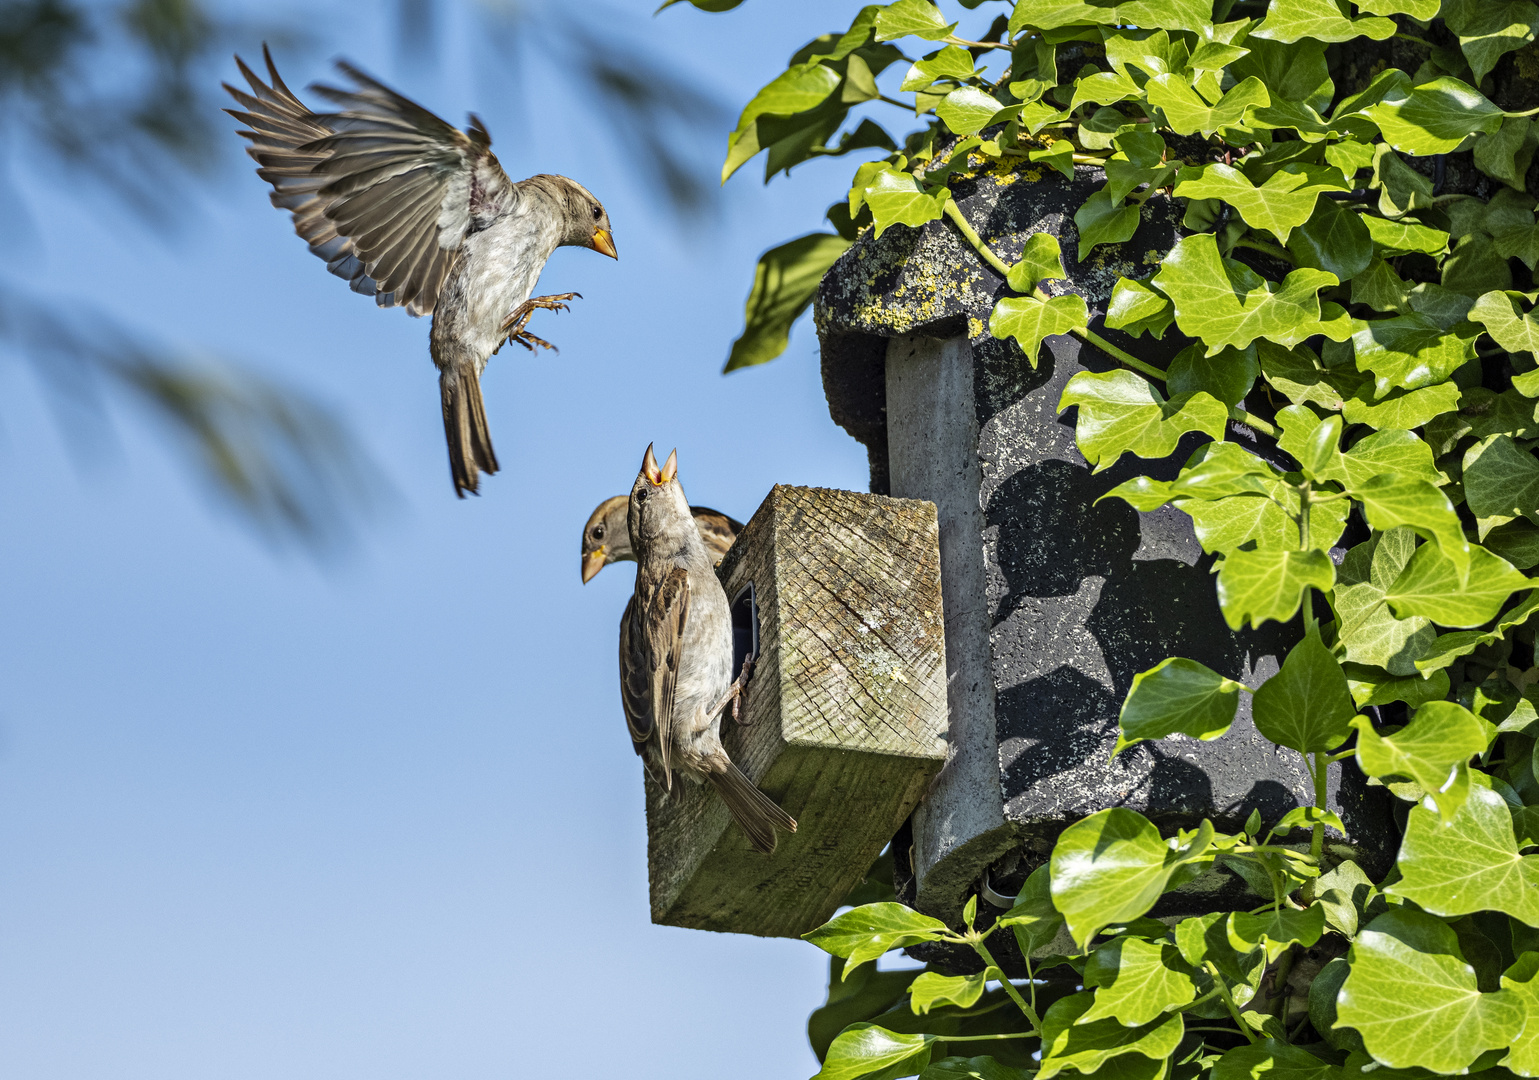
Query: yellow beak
[592, 563]
[603, 243]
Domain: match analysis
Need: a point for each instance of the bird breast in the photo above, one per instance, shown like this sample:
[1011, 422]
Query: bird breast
[496, 272]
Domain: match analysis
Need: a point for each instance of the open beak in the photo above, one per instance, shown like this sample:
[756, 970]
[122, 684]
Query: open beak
[603, 242]
[592, 563]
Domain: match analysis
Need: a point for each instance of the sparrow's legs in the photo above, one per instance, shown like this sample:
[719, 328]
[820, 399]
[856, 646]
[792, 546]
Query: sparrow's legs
[513, 325]
[735, 692]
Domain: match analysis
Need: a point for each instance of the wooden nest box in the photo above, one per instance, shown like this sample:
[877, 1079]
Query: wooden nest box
[846, 713]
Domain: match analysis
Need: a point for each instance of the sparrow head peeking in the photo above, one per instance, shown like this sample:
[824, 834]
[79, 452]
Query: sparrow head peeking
[606, 537]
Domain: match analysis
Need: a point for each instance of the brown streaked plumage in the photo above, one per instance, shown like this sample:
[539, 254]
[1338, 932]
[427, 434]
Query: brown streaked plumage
[418, 214]
[606, 538]
[676, 655]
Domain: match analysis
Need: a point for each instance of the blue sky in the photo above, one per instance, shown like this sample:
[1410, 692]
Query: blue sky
[379, 818]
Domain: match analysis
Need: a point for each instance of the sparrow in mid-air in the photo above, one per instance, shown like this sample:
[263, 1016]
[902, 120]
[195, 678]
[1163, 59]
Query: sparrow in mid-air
[676, 655]
[420, 215]
[607, 537]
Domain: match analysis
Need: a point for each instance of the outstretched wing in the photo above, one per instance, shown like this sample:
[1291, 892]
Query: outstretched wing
[383, 190]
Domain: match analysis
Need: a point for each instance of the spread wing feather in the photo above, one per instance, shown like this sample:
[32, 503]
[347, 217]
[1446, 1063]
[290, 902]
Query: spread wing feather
[382, 190]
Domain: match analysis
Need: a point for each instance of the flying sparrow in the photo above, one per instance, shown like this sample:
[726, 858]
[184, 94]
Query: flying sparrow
[420, 215]
[607, 537]
[676, 655]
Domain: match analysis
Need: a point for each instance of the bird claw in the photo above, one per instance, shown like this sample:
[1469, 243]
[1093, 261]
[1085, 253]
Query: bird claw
[735, 692]
[512, 328]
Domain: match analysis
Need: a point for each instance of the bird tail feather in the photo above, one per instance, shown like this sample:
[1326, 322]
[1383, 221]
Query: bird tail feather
[465, 428]
[755, 812]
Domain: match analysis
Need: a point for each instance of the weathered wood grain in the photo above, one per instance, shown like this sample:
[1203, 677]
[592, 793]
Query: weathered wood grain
[846, 713]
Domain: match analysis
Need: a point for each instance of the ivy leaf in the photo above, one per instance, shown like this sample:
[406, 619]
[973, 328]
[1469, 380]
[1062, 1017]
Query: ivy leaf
[1420, 10]
[1449, 647]
[967, 109]
[1434, 585]
[1070, 1043]
[1522, 979]
[1053, 14]
[1434, 117]
[1333, 239]
[1121, 412]
[1112, 866]
[1186, 113]
[963, 991]
[952, 62]
[1028, 320]
[799, 89]
[1034, 920]
[1403, 237]
[1374, 686]
[1298, 374]
[1041, 260]
[866, 932]
[1488, 29]
[1224, 302]
[974, 1068]
[1501, 479]
[1135, 308]
[1393, 500]
[1177, 696]
[1290, 20]
[1305, 706]
[1276, 929]
[1401, 188]
[1254, 586]
[1508, 153]
[1294, 73]
[1285, 201]
[897, 198]
[1228, 375]
[1367, 628]
[1414, 1000]
[920, 18]
[784, 284]
[1409, 352]
[1101, 221]
[862, 1049]
[1476, 267]
[1468, 864]
[1391, 451]
[1404, 409]
[1136, 982]
[1509, 326]
[1432, 751]
[1274, 1060]
[1225, 525]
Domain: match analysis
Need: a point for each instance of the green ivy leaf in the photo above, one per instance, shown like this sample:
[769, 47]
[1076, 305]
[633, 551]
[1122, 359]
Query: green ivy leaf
[920, 18]
[862, 1049]
[1054, 14]
[897, 198]
[1224, 525]
[1041, 260]
[1121, 412]
[1470, 863]
[1069, 1043]
[1414, 1000]
[1274, 1060]
[1501, 479]
[967, 109]
[1402, 237]
[1294, 73]
[1227, 375]
[1034, 920]
[784, 284]
[1136, 981]
[974, 1068]
[1177, 696]
[1432, 751]
[1275, 929]
[1401, 188]
[866, 932]
[1367, 628]
[1411, 351]
[1401, 408]
[1509, 326]
[1186, 113]
[1449, 647]
[1391, 451]
[1135, 308]
[1290, 20]
[963, 991]
[952, 62]
[1254, 586]
[1298, 374]
[1522, 980]
[1374, 686]
[1305, 706]
[1476, 267]
[1434, 585]
[1028, 320]
[1101, 221]
[1334, 239]
[1394, 500]
[1111, 867]
[1224, 302]
[1507, 154]
[1434, 117]
[1488, 29]
[1281, 204]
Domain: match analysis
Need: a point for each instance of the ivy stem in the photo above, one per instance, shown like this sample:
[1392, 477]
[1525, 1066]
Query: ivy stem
[1266, 249]
[904, 105]
[1414, 39]
[952, 39]
[1015, 995]
[1250, 420]
[986, 1038]
[1228, 998]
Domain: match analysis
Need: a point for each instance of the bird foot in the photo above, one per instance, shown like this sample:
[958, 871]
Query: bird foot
[736, 692]
[512, 327]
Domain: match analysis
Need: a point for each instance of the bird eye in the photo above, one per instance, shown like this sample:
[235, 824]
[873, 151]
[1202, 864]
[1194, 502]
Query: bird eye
[598, 532]
[598, 212]
[641, 495]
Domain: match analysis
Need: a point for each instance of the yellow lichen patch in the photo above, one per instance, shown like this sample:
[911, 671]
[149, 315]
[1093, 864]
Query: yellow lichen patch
[975, 327]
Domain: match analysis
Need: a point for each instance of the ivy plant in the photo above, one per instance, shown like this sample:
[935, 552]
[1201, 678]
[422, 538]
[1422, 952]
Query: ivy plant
[1356, 281]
